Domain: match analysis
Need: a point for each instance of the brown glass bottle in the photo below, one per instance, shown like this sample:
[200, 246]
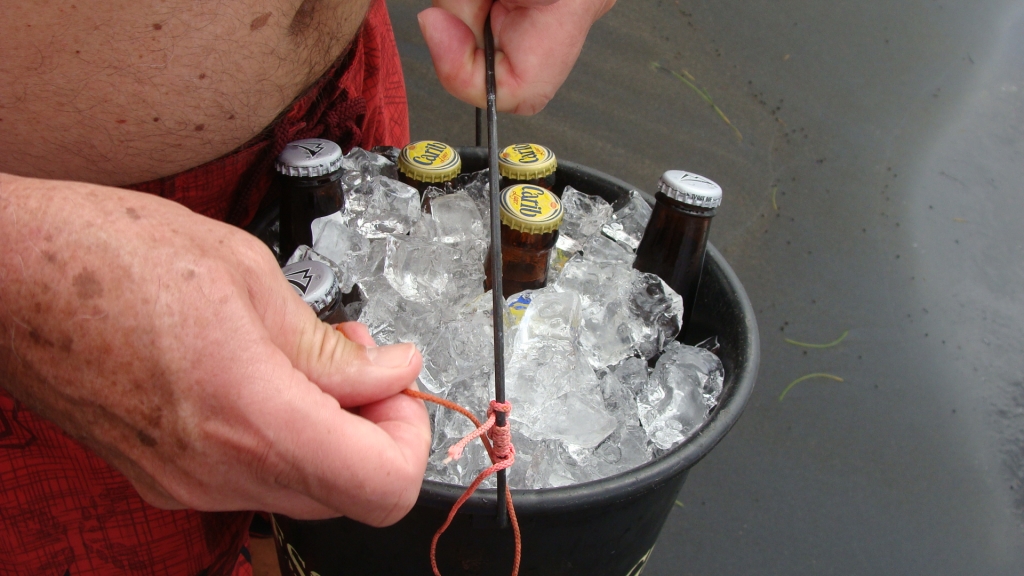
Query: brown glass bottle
[676, 237]
[527, 164]
[530, 216]
[309, 182]
[428, 163]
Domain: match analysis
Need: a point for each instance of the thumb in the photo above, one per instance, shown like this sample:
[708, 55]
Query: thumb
[347, 369]
[351, 372]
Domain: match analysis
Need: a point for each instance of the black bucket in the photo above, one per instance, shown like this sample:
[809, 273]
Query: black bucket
[607, 527]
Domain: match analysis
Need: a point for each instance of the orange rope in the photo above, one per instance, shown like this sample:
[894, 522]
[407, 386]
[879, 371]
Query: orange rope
[498, 442]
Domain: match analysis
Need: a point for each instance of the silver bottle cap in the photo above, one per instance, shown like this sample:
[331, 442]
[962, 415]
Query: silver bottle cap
[691, 189]
[314, 281]
[309, 158]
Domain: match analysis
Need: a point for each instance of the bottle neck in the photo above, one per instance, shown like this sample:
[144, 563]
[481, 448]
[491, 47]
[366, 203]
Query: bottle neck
[689, 209]
[311, 182]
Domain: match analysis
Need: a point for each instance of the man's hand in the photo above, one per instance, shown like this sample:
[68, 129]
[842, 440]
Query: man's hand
[172, 346]
[536, 42]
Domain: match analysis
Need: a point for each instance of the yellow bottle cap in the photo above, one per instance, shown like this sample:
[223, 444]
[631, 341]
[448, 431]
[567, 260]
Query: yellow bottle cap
[429, 161]
[530, 209]
[526, 161]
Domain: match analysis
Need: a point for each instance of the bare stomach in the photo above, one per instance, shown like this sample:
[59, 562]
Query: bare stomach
[122, 91]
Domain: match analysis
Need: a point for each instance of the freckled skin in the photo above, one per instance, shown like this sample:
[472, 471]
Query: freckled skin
[186, 361]
[87, 285]
[260, 21]
[214, 75]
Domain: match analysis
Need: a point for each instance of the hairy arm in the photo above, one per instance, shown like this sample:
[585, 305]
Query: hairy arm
[171, 345]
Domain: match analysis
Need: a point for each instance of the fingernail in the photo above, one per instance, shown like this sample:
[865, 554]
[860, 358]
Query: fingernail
[391, 356]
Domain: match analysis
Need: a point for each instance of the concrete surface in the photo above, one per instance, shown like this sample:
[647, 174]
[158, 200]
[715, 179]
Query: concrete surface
[874, 181]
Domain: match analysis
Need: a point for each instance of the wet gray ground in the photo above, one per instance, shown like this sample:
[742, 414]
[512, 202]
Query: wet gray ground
[874, 180]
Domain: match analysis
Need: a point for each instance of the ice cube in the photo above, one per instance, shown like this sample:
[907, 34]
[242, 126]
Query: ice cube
[576, 418]
[478, 186]
[416, 322]
[456, 218]
[424, 227]
[344, 246]
[418, 269]
[601, 250]
[461, 349]
[659, 311]
[618, 400]
[545, 362]
[473, 392]
[633, 373]
[380, 308]
[368, 164]
[551, 315]
[428, 196]
[606, 335]
[628, 223]
[547, 468]
[584, 214]
[625, 449]
[379, 206]
[595, 282]
[683, 388]
[565, 248]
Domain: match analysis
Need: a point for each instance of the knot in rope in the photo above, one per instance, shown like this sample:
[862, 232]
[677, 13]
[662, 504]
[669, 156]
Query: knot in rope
[498, 436]
[501, 436]
[498, 442]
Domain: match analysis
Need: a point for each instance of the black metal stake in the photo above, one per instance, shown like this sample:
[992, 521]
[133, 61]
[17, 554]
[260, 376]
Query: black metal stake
[496, 288]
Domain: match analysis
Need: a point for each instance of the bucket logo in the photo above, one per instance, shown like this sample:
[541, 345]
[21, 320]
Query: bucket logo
[433, 154]
[531, 204]
[296, 565]
[525, 154]
[638, 568]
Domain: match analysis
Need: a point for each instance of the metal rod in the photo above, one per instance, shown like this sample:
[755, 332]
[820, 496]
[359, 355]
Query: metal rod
[496, 288]
[481, 127]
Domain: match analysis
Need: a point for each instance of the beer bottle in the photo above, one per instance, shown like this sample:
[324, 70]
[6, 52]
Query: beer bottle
[676, 236]
[530, 216]
[428, 163]
[309, 181]
[527, 164]
[317, 285]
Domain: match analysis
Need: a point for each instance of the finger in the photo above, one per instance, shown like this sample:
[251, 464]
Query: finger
[472, 13]
[526, 3]
[351, 371]
[366, 470]
[357, 332]
[453, 49]
[537, 48]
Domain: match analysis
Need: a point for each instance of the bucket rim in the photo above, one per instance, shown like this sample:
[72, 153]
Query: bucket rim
[632, 483]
